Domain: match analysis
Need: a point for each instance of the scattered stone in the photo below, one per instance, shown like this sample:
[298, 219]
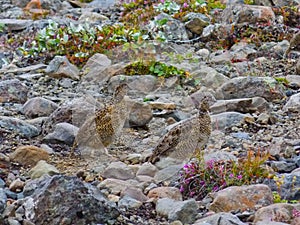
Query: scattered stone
[3, 200]
[293, 104]
[116, 186]
[279, 212]
[134, 193]
[15, 24]
[243, 105]
[184, 211]
[29, 155]
[228, 119]
[118, 170]
[129, 203]
[209, 77]
[82, 203]
[140, 114]
[165, 192]
[95, 68]
[38, 106]
[248, 87]
[17, 185]
[13, 91]
[241, 198]
[147, 169]
[42, 168]
[196, 22]
[18, 126]
[63, 133]
[61, 67]
[221, 218]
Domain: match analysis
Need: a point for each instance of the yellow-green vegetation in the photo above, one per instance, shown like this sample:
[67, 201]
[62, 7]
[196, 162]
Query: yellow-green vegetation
[198, 178]
[154, 68]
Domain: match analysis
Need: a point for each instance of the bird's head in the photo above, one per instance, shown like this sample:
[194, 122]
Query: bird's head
[202, 106]
[120, 92]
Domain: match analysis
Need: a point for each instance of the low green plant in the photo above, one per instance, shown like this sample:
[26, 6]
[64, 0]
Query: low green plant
[154, 68]
[78, 42]
[199, 178]
[2, 27]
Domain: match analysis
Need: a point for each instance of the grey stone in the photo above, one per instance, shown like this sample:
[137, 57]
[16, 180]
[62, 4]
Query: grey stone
[298, 67]
[248, 87]
[221, 218]
[3, 199]
[237, 13]
[228, 119]
[95, 68]
[18, 126]
[168, 173]
[15, 24]
[184, 211]
[140, 114]
[63, 133]
[116, 186]
[38, 106]
[118, 170]
[279, 212]
[294, 80]
[242, 105]
[69, 199]
[283, 167]
[13, 91]
[129, 203]
[61, 67]
[42, 168]
[144, 84]
[293, 103]
[209, 77]
[147, 169]
[196, 22]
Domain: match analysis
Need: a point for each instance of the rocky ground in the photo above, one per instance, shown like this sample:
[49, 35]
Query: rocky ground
[254, 92]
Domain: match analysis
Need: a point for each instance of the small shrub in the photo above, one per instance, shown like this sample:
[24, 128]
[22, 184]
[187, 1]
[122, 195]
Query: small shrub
[199, 178]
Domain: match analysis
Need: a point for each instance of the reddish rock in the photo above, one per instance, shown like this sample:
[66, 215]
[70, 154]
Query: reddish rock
[241, 198]
[165, 192]
[29, 155]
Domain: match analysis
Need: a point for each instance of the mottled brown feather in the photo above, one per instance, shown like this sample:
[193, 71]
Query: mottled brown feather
[185, 137]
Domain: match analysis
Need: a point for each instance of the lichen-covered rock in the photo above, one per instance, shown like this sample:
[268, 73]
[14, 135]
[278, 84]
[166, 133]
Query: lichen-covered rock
[68, 200]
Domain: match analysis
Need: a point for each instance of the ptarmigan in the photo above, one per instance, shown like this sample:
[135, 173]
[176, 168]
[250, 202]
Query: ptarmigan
[186, 137]
[100, 130]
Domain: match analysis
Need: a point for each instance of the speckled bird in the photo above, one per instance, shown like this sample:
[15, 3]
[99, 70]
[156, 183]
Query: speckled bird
[185, 138]
[101, 129]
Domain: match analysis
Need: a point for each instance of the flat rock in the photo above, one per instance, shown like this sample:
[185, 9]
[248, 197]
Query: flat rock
[29, 155]
[3, 199]
[241, 198]
[165, 192]
[227, 119]
[38, 106]
[279, 212]
[13, 91]
[221, 218]
[116, 186]
[248, 87]
[15, 24]
[293, 104]
[140, 114]
[95, 68]
[147, 169]
[118, 170]
[209, 77]
[18, 126]
[184, 211]
[60, 67]
[42, 168]
[242, 105]
[63, 133]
